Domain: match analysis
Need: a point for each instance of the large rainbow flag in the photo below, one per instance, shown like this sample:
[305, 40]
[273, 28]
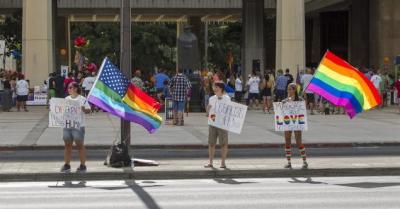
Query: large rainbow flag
[114, 93]
[343, 85]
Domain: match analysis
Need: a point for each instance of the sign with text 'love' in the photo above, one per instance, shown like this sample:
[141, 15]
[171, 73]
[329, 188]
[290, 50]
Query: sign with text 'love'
[290, 116]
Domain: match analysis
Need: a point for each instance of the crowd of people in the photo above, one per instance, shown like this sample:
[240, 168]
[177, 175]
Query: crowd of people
[260, 91]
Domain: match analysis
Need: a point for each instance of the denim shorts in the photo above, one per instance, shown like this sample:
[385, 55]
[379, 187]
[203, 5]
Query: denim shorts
[72, 134]
[178, 106]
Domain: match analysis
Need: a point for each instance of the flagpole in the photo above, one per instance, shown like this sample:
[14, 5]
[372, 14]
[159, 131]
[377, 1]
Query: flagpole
[125, 59]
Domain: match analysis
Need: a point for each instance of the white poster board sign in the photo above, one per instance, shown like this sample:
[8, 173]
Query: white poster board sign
[64, 71]
[37, 98]
[290, 116]
[228, 116]
[65, 113]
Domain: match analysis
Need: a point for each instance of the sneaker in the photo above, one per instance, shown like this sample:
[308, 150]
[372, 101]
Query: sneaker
[289, 166]
[305, 166]
[65, 169]
[81, 169]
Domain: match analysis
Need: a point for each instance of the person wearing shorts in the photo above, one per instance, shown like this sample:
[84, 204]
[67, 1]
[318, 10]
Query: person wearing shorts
[216, 134]
[75, 134]
[22, 91]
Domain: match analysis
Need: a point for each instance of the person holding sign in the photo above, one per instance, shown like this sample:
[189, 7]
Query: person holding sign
[294, 96]
[215, 133]
[75, 131]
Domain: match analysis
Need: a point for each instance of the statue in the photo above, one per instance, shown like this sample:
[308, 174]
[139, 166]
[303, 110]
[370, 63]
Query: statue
[188, 50]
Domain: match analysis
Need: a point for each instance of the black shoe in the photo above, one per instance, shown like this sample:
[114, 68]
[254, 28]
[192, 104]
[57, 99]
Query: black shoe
[65, 169]
[288, 166]
[305, 166]
[81, 169]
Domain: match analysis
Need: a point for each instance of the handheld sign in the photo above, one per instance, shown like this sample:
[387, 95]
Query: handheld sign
[228, 116]
[65, 113]
[290, 116]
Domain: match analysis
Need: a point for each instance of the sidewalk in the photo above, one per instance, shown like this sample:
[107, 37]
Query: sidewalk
[193, 169]
[20, 130]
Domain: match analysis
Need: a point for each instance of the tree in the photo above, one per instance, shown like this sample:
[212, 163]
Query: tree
[224, 38]
[153, 45]
[11, 32]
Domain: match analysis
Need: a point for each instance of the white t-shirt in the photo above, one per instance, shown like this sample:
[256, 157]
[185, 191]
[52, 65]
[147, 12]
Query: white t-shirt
[376, 80]
[84, 103]
[88, 83]
[213, 101]
[22, 88]
[238, 85]
[254, 83]
[305, 80]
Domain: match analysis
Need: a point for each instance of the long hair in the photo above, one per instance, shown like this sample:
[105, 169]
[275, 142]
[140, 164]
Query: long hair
[296, 94]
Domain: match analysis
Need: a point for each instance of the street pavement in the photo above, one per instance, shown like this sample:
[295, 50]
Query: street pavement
[221, 193]
[188, 164]
[29, 130]
[366, 145]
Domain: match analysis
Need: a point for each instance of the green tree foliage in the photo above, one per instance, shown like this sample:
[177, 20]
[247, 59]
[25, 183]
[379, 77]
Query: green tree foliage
[153, 45]
[224, 38]
[11, 32]
[104, 40]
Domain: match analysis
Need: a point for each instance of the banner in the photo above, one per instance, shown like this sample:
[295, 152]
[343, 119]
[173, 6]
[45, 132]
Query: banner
[65, 113]
[290, 116]
[37, 98]
[228, 116]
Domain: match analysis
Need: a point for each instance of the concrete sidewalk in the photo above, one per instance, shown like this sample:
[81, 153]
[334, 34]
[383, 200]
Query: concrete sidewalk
[261, 167]
[20, 130]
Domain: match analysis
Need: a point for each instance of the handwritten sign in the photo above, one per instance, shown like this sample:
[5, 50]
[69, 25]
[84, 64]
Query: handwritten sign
[65, 113]
[290, 116]
[228, 116]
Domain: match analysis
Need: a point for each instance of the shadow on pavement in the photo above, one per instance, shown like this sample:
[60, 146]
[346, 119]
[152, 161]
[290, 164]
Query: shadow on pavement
[232, 181]
[308, 180]
[370, 185]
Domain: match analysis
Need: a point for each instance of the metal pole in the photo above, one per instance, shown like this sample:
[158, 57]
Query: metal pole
[206, 44]
[125, 60]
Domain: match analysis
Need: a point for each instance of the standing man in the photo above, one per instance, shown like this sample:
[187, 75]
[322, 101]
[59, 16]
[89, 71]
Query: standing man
[280, 88]
[377, 80]
[22, 90]
[160, 78]
[309, 95]
[179, 86]
[137, 81]
[59, 85]
[289, 76]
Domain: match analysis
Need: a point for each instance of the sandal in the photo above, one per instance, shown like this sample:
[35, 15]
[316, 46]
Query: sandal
[223, 166]
[209, 165]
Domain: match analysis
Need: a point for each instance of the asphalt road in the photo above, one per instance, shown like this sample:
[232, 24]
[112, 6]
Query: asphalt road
[315, 193]
[157, 154]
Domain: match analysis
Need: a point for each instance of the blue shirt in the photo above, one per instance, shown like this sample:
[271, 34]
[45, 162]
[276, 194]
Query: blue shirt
[282, 82]
[160, 78]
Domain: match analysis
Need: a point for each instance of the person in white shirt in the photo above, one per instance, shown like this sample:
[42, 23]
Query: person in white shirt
[254, 90]
[88, 83]
[238, 89]
[215, 133]
[22, 91]
[376, 80]
[73, 134]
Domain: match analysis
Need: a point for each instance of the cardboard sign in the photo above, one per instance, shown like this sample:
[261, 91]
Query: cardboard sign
[290, 116]
[228, 116]
[65, 113]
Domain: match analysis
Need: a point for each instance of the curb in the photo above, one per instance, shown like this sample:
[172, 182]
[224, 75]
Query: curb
[197, 174]
[199, 146]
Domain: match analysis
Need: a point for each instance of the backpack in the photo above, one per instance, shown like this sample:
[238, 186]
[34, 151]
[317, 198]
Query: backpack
[118, 156]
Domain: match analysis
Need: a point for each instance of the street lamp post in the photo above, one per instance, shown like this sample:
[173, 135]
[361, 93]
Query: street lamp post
[125, 60]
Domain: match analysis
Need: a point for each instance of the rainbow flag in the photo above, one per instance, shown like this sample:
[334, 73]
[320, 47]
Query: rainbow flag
[343, 85]
[114, 93]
